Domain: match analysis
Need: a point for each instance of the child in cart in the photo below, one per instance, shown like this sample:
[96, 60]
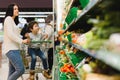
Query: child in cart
[34, 49]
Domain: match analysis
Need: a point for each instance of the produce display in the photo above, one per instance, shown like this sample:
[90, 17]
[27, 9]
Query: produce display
[90, 45]
[66, 70]
[107, 23]
[100, 69]
[84, 3]
[73, 13]
[98, 28]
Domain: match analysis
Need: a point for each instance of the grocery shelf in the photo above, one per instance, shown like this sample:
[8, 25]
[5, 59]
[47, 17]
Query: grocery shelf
[111, 59]
[69, 57]
[90, 5]
[74, 61]
[80, 48]
[68, 4]
[81, 63]
[73, 22]
[62, 75]
[84, 50]
[78, 76]
[103, 12]
[76, 58]
[63, 7]
[73, 66]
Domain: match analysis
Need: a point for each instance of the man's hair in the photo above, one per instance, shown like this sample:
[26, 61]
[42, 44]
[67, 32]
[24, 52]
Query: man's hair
[49, 18]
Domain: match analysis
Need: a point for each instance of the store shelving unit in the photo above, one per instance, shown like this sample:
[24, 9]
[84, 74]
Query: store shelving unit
[90, 5]
[102, 55]
[67, 6]
[108, 57]
[63, 7]
[74, 63]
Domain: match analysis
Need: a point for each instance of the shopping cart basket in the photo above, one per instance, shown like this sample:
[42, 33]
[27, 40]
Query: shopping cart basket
[27, 59]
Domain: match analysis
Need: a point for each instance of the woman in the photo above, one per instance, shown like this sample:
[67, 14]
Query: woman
[12, 42]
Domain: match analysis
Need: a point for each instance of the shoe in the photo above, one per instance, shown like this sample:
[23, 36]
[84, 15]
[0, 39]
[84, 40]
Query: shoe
[27, 67]
[32, 75]
[46, 74]
[49, 71]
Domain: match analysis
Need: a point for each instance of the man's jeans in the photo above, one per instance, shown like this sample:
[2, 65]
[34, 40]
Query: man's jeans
[33, 52]
[16, 66]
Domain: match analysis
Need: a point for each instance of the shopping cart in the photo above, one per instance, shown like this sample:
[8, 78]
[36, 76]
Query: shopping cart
[44, 46]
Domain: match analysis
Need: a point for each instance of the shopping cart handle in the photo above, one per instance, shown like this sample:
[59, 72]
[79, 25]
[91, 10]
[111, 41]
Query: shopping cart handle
[48, 41]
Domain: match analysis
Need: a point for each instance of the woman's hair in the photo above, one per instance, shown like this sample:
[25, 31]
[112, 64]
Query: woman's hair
[31, 24]
[49, 18]
[9, 12]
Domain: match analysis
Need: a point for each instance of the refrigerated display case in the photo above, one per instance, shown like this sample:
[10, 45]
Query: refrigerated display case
[89, 36]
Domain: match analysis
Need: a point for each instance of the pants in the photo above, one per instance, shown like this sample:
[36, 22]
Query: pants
[16, 67]
[33, 52]
[50, 58]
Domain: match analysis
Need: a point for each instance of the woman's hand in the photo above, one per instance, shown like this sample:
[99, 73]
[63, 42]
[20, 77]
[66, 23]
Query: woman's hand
[27, 35]
[26, 41]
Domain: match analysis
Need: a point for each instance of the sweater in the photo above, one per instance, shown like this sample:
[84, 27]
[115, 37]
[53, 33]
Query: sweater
[50, 31]
[12, 38]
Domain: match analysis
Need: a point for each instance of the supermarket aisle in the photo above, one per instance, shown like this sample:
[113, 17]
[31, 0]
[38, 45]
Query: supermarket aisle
[4, 68]
[4, 71]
